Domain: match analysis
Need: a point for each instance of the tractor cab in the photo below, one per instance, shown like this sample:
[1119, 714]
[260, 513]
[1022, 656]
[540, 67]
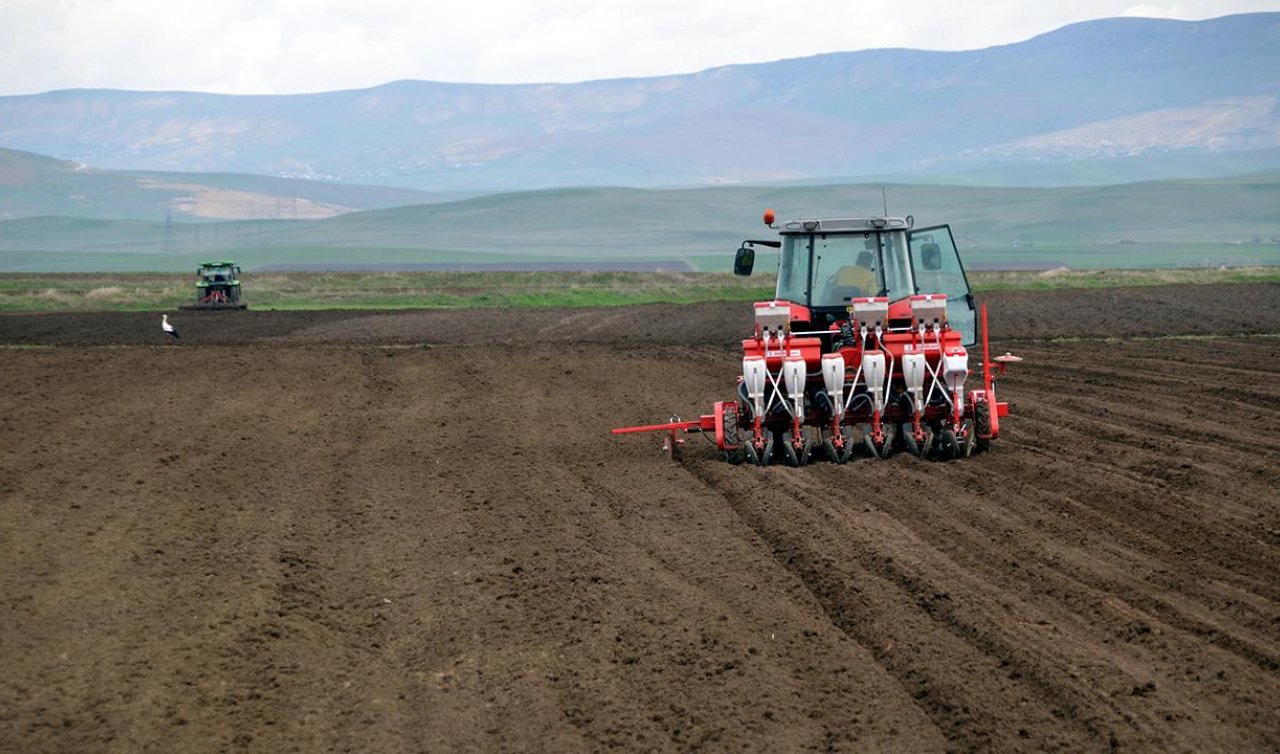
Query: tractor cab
[218, 273]
[824, 264]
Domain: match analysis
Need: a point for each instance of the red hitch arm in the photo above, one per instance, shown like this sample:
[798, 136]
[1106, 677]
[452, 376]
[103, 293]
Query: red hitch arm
[706, 424]
[672, 443]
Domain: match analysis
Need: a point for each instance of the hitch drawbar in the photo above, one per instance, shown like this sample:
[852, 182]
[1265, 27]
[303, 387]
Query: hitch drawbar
[673, 443]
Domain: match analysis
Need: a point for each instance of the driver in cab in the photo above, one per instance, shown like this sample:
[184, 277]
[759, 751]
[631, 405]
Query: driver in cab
[850, 281]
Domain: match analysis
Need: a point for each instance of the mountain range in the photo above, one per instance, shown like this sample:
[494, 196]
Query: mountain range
[1110, 92]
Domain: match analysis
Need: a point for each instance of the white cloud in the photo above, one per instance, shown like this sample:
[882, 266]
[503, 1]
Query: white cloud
[279, 46]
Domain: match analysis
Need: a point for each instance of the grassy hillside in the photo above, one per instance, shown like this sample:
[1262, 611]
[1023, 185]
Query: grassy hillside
[35, 185]
[395, 290]
[1155, 224]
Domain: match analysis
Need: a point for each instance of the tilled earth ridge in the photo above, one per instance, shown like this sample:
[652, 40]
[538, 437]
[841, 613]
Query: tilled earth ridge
[283, 535]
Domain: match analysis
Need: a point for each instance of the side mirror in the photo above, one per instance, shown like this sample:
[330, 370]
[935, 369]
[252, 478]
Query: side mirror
[744, 260]
[931, 256]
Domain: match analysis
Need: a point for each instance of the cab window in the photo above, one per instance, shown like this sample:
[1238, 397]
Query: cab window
[937, 269]
[897, 272]
[793, 269]
[844, 267]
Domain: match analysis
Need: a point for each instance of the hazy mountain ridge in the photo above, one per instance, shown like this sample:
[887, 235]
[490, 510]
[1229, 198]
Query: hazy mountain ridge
[1054, 96]
[1246, 123]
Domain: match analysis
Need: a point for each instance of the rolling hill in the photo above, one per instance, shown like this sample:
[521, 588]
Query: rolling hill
[1151, 224]
[32, 185]
[1112, 89]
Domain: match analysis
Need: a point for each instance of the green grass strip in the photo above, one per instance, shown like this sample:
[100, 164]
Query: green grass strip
[308, 291]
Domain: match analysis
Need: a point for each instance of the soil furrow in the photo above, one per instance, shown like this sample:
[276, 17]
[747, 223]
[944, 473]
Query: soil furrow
[305, 531]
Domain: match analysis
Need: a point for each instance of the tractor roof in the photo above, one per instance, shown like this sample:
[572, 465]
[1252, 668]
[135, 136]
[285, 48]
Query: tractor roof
[846, 224]
[225, 263]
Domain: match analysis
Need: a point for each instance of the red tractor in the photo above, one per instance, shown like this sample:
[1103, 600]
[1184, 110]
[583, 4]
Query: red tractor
[864, 351]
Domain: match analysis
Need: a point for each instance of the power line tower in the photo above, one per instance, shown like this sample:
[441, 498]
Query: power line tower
[170, 242]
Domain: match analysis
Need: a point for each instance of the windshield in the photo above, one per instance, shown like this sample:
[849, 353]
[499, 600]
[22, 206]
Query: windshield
[845, 266]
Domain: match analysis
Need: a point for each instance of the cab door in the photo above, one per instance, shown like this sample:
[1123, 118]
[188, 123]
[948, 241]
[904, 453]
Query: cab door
[936, 268]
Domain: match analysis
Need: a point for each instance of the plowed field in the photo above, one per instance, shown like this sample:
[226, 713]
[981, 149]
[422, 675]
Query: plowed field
[404, 532]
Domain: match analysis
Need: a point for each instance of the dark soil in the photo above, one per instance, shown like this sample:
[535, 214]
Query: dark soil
[360, 531]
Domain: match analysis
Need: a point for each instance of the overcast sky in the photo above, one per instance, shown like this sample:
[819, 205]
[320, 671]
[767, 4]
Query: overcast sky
[286, 46]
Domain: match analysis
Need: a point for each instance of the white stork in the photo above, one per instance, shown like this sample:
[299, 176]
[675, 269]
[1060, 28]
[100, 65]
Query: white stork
[164, 325]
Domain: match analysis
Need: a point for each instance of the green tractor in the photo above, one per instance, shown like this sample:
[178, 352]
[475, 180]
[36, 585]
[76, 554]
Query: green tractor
[217, 287]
